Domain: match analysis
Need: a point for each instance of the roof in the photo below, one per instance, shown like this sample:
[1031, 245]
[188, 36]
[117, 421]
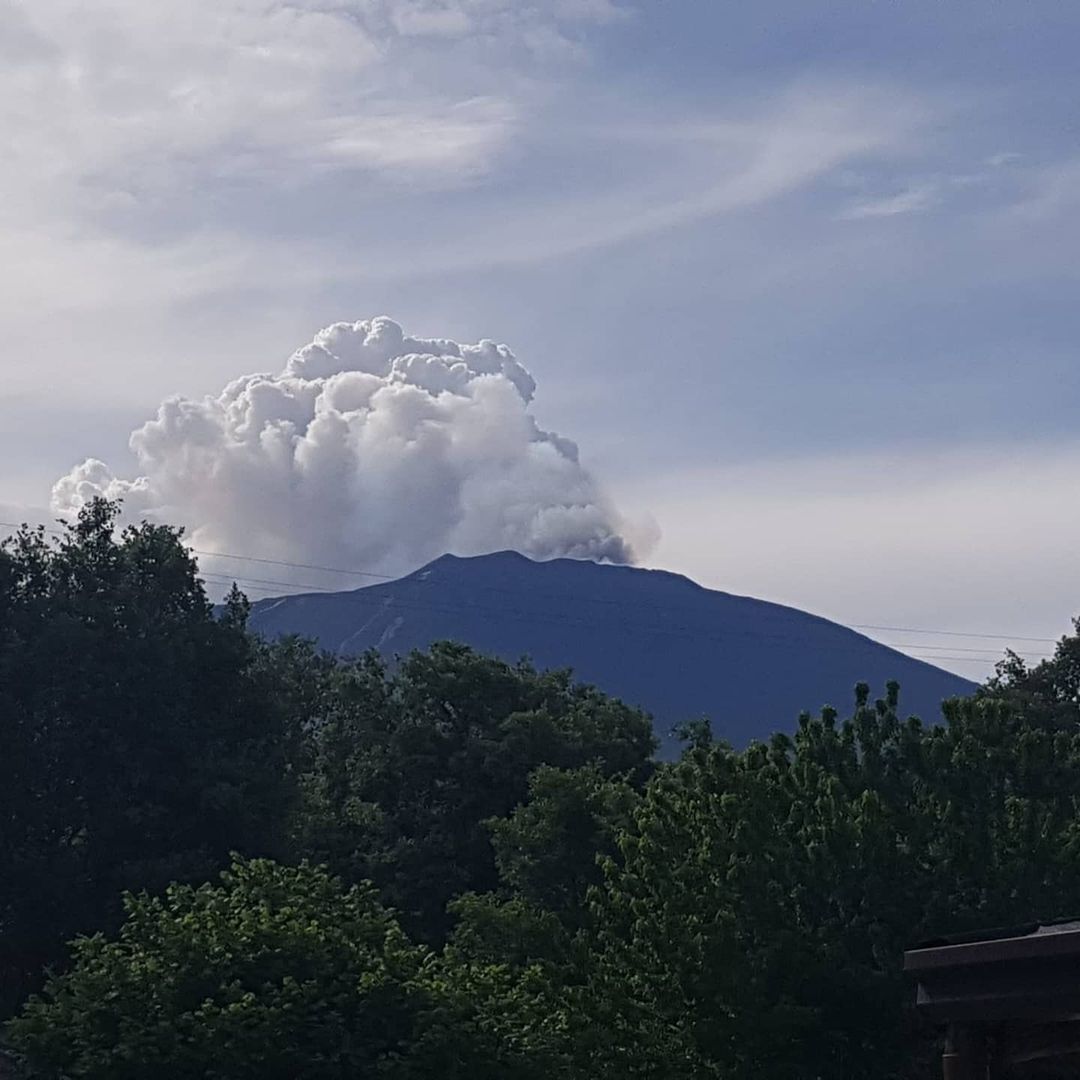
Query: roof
[1025, 972]
[998, 932]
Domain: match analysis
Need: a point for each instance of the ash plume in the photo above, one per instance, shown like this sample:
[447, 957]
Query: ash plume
[370, 450]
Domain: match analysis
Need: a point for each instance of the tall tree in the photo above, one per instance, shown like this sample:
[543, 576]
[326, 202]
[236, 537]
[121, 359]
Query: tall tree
[755, 924]
[411, 763]
[141, 738]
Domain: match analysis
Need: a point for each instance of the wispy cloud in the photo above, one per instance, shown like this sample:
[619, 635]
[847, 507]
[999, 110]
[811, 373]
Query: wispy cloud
[992, 182]
[124, 95]
[156, 154]
[678, 171]
[697, 168]
[912, 200]
[1050, 190]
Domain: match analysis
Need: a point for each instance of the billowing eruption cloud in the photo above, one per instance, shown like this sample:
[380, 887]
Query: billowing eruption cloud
[371, 450]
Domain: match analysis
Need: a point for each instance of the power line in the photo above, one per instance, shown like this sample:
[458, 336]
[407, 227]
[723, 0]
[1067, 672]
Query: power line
[685, 632]
[295, 566]
[956, 648]
[953, 633]
[913, 646]
[268, 582]
[603, 600]
[959, 660]
[269, 585]
[266, 585]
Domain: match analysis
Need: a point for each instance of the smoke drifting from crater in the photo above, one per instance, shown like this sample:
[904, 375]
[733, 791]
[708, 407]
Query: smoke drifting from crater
[371, 450]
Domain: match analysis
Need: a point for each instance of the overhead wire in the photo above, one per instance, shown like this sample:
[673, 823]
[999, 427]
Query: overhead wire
[266, 585]
[270, 585]
[686, 632]
[598, 600]
[292, 565]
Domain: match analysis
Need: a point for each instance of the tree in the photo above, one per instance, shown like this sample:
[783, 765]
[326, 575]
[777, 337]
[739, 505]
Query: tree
[275, 973]
[549, 854]
[142, 738]
[549, 850]
[755, 923]
[409, 765]
[1047, 694]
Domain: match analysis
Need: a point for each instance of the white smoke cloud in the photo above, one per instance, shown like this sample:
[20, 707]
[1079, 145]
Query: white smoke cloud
[370, 450]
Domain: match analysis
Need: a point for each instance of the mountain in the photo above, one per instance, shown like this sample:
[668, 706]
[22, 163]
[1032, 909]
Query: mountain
[652, 638]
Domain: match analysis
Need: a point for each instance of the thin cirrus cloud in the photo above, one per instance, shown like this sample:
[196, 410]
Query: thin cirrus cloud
[152, 96]
[708, 168]
[138, 136]
[912, 200]
[677, 171]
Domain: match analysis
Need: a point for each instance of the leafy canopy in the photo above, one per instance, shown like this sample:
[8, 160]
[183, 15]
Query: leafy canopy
[410, 764]
[275, 973]
[142, 737]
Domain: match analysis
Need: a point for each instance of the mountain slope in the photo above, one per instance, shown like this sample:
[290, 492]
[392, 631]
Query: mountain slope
[653, 638]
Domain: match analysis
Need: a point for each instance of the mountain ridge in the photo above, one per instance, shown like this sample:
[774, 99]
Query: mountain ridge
[653, 637]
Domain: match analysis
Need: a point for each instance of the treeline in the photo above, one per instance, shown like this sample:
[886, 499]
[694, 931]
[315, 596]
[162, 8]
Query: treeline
[226, 858]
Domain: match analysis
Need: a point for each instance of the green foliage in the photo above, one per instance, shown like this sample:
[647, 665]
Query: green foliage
[548, 851]
[743, 916]
[276, 974]
[756, 922]
[583, 913]
[409, 765]
[1046, 695]
[142, 737]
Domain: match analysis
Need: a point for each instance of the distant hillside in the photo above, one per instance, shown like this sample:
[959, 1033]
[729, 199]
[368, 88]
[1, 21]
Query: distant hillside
[652, 638]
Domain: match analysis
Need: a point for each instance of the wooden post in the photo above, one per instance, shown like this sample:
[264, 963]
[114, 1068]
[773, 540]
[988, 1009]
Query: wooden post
[964, 1057]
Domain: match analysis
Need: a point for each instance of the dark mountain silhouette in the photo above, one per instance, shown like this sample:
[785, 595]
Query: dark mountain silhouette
[652, 638]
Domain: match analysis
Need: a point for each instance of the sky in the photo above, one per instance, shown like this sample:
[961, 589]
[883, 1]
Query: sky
[797, 278]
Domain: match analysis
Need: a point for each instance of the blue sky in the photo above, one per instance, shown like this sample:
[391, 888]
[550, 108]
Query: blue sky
[799, 278]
